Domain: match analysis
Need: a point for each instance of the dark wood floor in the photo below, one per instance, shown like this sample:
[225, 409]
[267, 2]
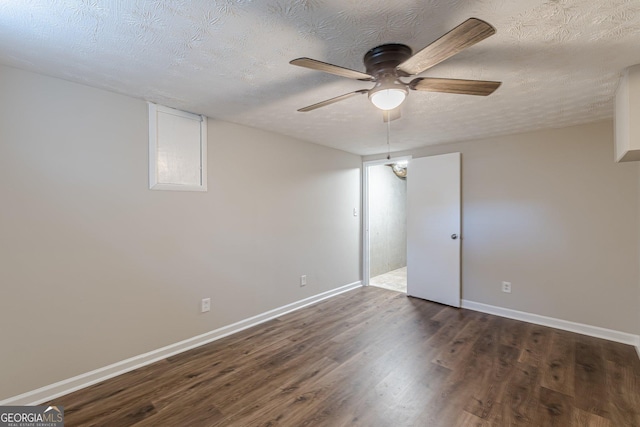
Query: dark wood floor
[373, 357]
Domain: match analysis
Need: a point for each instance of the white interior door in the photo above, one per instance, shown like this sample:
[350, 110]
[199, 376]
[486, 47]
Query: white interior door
[433, 229]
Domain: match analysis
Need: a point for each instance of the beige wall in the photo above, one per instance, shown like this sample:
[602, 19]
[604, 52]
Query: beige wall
[552, 213]
[96, 268]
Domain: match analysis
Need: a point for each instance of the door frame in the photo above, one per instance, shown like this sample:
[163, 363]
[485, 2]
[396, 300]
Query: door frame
[366, 257]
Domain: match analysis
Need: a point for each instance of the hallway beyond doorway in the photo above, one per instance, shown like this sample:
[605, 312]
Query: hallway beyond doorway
[395, 280]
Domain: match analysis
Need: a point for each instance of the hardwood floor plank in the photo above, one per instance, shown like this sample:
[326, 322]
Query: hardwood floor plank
[512, 332]
[127, 399]
[582, 418]
[520, 402]
[96, 395]
[535, 346]
[412, 381]
[469, 420]
[247, 384]
[621, 354]
[623, 386]
[284, 404]
[199, 413]
[396, 359]
[555, 409]
[375, 358]
[590, 377]
[559, 364]
[495, 367]
[400, 396]
[451, 322]
[224, 367]
[376, 331]
[490, 389]
[443, 409]
[454, 352]
[316, 395]
[330, 397]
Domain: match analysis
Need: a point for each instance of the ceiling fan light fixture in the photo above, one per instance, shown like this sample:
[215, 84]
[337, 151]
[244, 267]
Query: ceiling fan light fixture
[388, 98]
[399, 168]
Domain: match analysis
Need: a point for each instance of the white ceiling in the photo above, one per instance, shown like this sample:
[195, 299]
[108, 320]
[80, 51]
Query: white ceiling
[559, 60]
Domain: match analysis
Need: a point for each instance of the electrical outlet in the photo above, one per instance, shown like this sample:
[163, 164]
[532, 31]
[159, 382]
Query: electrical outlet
[303, 280]
[506, 287]
[205, 305]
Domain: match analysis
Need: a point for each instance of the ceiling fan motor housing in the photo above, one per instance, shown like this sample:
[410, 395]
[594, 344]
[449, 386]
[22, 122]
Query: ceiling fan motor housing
[381, 61]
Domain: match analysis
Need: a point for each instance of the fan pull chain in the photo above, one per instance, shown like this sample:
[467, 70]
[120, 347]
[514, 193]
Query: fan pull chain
[388, 143]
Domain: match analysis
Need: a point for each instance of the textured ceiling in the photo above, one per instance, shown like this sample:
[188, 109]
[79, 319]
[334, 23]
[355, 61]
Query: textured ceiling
[559, 60]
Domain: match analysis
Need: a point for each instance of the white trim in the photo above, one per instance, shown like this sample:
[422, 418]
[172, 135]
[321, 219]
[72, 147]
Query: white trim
[365, 226]
[81, 381]
[366, 259]
[566, 325]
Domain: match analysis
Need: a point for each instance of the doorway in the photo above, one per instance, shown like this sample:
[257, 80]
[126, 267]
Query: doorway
[432, 218]
[386, 224]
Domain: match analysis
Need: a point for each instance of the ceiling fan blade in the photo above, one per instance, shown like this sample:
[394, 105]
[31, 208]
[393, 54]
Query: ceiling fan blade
[465, 35]
[391, 115]
[330, 68]
[464, 87]
[332, 100]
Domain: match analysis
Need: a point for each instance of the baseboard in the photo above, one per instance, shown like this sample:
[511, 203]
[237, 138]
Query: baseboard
[78, 382]
[594, 331]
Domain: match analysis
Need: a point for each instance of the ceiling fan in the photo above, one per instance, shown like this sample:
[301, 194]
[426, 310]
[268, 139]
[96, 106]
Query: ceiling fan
[386, 64]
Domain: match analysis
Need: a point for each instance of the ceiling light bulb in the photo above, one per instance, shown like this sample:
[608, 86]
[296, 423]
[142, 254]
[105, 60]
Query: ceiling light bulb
[388, 99]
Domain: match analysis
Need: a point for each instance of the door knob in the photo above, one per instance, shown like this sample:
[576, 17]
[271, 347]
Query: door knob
[454, 236]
